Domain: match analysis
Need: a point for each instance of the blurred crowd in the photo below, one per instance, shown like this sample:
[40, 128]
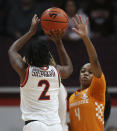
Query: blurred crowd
[111, 129]
[16, 15]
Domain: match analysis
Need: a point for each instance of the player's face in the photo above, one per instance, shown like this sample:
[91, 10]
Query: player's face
[86, 75]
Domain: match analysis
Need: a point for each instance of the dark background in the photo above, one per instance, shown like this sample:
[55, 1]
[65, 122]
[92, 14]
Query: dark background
[106, 45]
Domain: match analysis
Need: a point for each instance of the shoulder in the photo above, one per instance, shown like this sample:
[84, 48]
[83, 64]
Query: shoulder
[72, 96]
[97, 88]
[52, 67]
[99, 80]
[101, 77]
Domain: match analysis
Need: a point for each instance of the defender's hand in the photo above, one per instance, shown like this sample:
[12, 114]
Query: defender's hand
[34, 24]
[81, 28]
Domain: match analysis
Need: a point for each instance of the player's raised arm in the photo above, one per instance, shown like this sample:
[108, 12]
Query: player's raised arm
[82, 31]
[66, 67]
[15, 58]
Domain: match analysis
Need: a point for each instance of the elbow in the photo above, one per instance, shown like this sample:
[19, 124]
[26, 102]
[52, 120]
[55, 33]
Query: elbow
[71, 68]
[9, 51]
[9, 54]
[68, 74]
[12, 48]
[70, 71]
[95, 61]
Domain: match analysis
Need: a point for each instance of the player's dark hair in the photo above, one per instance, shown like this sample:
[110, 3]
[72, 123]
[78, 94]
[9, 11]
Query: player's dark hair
[37, 54]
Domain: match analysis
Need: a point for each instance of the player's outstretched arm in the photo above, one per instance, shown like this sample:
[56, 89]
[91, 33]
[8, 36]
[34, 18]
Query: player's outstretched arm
[15, 58]
[66, 67]
[82, 31]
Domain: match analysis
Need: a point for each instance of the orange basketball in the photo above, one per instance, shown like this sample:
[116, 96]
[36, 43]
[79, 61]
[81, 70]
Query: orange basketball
[54, 18]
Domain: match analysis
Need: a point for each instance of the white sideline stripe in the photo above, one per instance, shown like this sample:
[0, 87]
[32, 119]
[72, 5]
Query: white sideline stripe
[69, 89]
[9, 89]
[110, 89]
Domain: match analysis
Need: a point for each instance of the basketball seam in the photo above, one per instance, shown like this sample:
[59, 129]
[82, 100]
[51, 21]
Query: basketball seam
[55, 21]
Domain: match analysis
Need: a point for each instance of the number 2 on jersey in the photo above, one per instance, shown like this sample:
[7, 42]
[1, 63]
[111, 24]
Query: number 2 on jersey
[43, 95]
[77, 113]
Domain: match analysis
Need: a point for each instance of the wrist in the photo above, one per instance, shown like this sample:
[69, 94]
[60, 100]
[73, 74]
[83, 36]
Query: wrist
[85, 37]
[30, 33]
[58, 42]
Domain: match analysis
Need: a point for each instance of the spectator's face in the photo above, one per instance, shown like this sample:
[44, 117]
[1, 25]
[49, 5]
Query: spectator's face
[86, 75]
[70, 8]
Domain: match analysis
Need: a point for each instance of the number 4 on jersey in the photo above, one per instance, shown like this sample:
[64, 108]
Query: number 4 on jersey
[77, 113]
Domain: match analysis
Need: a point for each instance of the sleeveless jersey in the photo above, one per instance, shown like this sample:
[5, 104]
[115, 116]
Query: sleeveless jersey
[86, 107]
[39, 95]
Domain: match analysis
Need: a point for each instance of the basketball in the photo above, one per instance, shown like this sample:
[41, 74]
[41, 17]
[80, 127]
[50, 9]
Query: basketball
[54, 19]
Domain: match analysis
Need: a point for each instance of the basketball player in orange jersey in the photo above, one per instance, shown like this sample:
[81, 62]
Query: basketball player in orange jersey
[86, 106]
[40, 82]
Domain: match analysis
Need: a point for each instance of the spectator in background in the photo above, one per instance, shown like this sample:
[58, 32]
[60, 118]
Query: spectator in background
[12, 3]
[115, 16]
[101, 16]
[112, 129]
[3, 14]
[71, 8]
[20, 16]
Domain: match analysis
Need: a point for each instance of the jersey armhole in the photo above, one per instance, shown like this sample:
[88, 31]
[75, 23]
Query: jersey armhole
[26, 77]
[58, 76]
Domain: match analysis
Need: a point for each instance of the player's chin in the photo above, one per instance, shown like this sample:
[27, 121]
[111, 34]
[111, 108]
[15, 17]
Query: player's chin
[85, 83]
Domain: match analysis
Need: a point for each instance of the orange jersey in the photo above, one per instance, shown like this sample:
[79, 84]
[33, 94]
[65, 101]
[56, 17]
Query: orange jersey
[86, 108]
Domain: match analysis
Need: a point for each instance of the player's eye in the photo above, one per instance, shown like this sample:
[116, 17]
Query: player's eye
[90, 72]
[82, 70]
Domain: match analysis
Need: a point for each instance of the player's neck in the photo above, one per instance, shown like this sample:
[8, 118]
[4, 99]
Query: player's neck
[84, 87]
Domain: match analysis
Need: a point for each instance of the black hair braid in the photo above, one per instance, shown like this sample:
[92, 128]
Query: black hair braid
[37, 54]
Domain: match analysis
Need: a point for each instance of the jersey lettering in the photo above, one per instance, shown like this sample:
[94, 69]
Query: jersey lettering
[41, 73]
[77, 113]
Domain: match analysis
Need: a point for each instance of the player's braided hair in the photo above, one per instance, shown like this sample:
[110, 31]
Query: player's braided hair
[37, 54]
